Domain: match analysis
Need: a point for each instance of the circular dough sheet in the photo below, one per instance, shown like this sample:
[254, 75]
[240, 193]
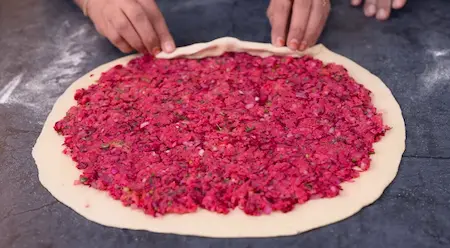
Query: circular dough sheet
[57, 172]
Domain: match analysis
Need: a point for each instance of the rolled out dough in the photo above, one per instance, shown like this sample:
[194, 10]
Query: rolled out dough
[57, 171]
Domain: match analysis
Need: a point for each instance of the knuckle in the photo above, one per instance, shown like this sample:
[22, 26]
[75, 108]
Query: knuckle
[303, 3]
[158, 20]
[122, 24]
[269, 11]
[282, 5]
[116, 39]
[139, 15]
[297, 31]
[278, 22]
[151, 41]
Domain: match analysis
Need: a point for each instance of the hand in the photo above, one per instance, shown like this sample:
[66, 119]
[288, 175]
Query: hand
[297, 23]
[131, 24]
[381, 9]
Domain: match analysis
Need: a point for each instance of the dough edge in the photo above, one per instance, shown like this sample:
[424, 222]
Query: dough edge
[57, 171]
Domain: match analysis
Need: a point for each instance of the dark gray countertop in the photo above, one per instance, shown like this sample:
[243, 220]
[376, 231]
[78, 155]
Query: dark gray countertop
[46, 44]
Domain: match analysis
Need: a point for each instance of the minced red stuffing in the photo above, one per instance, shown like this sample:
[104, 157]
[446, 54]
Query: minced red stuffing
[260, 134]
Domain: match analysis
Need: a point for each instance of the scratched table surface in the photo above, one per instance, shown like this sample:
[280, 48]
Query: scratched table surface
[47, 44]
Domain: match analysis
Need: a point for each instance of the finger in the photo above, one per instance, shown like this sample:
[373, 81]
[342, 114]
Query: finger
[383, 9]
[124, 28]
[301, 11]
[398, 4]
[356, 2]
[116, 39]
[278, 17]
[316, 22]
[370, 8]
[159, 24]
[141, 24]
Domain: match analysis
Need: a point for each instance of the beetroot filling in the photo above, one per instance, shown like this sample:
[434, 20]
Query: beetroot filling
[260, 134]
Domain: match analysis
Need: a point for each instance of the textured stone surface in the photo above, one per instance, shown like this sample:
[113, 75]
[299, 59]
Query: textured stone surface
[47, 44]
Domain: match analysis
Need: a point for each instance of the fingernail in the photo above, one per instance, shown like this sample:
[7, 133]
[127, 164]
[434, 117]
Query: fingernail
[279, 41]
[381, 14]
[293, 44]
[397, 4]
[156, 50]
[370, 10]
[169, 47]
[303, 46]
[355, 2]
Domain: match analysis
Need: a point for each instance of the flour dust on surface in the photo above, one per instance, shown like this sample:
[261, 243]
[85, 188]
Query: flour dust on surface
[38, 91]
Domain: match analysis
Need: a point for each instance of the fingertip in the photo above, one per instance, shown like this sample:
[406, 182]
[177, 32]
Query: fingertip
[278, 42]
[370, 10]
[382, 15]
[168, 46]
[356, 2]
[126, 50]
[398, 4]
[293, 44]
[156, 50]
[303, 46]
[142, 50]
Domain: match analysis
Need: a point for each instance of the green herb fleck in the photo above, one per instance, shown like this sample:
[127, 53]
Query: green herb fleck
[120, 90]
[218, 127]
[104, 146]
[249, 129]
[145, 79]
[308, 186]
[83, 179]
[180, 116]
[117, 143]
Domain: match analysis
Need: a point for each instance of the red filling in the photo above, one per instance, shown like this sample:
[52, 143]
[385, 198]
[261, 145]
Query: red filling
[260, 134]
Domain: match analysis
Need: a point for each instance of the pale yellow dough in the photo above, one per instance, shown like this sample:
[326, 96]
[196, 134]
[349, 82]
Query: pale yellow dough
[57, 172]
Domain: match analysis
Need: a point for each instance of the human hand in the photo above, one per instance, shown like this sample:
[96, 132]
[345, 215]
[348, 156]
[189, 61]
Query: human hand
[130, 24]
[381, 9]
[297, 23]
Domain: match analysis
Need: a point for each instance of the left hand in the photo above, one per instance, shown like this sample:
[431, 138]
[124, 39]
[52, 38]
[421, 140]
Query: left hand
[297, 23]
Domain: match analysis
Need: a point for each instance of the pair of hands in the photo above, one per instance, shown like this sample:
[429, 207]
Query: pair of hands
[139, 24]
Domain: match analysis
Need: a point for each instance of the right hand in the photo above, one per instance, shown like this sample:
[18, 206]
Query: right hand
[297, 23]
[131, 25]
